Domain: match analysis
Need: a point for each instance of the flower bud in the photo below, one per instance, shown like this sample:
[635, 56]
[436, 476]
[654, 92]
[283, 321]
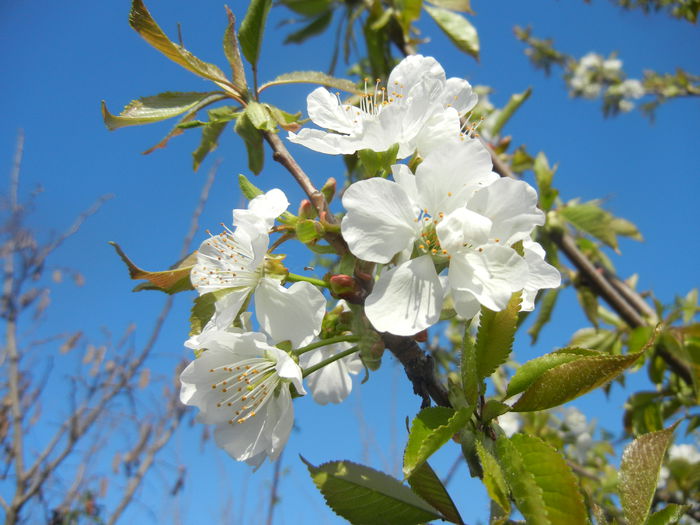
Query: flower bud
[346, 287]
[306, 210]
[328, 189]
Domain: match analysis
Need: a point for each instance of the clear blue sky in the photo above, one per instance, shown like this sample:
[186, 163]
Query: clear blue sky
[61, 58]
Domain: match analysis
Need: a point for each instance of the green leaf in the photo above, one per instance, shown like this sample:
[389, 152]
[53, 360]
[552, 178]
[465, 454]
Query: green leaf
[309, 231]
[492, 409]
[543, 176]
[233, 52]
[252, 29]
[312, 77]
[378, 52]
[316, 26]
[625, 228]
[286, 121]
[430, 430]
[505, 114]
[408, 11]
[204, 308]
[568, 381]
[176, 279]
[363, 495]
[253, 142]
[668, 515]
[248, 189]
[468, 366]
[428, 486]
[639, 472]
[155, 108]
[543, 486]
[260, 117]
[493, 478]
[378, 163]
[142, 22]
[589, 217]
[494, 340]
[211, 131]
[526, 374]
[455, 5]
[457, 28]
[544, 313]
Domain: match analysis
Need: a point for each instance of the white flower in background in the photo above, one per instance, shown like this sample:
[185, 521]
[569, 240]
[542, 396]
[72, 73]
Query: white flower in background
[510, 422]
[242, 384]
[332, 383]
[453, 213]
[579, 432]
[419, 109]
[235, 265]
[685, 451]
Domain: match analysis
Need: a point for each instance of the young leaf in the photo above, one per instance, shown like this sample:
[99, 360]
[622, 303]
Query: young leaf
[470, 379]
[316, 26]
[544, 314]
[312, 77]
[430, 430]
[568, 381]
[428, 486]
[457, 28]
[253, 142]
[493, 478]
[260, 117]
[639, 472]
[176, 279]
[248, 189]
[233, 52]
[589, 217]
[154, 109]
[378, 163]
[142, 22]
[543, 176]
[363, 495]
[505, 114]
[455, 5]
[218, 119]
[668, 515]
[543, 486]
[286, 121]
[252, 29]
[494, 340]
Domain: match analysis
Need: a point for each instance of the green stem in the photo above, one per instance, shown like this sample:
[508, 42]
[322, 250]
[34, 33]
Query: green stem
[330, 360]
[326, 342]
[292, 277]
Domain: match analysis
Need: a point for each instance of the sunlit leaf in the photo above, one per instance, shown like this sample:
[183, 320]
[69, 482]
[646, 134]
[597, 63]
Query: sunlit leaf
[252, 28]
[455, 5]
[233, 52]
[253, 142]
[493, 478]
[312, 77]
[176, 279]
[668, 515]
[459, 30]
[494, 340]
[505, 114]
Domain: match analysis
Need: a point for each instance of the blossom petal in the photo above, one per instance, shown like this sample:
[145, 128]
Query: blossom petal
[293, 313]
[415, 70]
[327, 112]
[512, 206]
[491, 275]
[541, 274]
[406, 299]
[458, 94]
[462, 228]
[465, 303]
[443, 127]
[328, 143]
[332, 383]
[288, 369]
[380, 220]
[263, 209]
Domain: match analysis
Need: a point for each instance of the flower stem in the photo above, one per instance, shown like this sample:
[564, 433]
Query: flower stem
[293, 277]
[330, 360]
[326, 342]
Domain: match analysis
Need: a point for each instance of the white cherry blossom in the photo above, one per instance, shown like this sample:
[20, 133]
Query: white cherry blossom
[418, 110]
[454, 213]
[332, 383]
[242, 385]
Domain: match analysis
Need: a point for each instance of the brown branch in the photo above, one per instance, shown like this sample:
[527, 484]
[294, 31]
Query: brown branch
[273, 490]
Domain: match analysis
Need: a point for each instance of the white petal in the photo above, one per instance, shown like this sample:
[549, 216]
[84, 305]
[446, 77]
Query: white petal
[463, 228]
[458, 94]
[465, 303]
[288, 369]
[293, 313]
[406, 299]
[380, 220]
[329, 143]
[326, 111]
[228, 307]
[262, 210]
[512, 206]
[491, 275]
[451, 174]
[443, 127]
[405, 178]
[415, 70]
[541, 274]
[332, 383]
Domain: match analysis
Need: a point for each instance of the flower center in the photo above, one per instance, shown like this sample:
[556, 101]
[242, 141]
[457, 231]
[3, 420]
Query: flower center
[429, 243]
[233, 264]
[245, 387]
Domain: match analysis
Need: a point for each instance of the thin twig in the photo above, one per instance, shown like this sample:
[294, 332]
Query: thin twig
[273, 490]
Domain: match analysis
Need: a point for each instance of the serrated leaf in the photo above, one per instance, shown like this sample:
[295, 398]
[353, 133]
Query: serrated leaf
[428, 486]
[248, 189]
[544, 313]
[363, 495]
[455, 5]
[204, 308]
[568, 381]
[589, 217]
[493, 478]
[494, 340]
[639, 472]
[253, 142]
[252, 28]
[260, 117]
[312, 77]
[153, 109]
[430, 429]
[543, 486]
[526, 374]
[468, 368]
[492, 409]
[315, 27]
[176, 279]
[668, 515]
[233, 52]
[505, 114]
[142, 22]
[457, 28]
[543, 176]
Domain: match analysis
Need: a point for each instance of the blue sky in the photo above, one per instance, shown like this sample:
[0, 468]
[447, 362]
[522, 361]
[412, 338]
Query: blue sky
[61, 58]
